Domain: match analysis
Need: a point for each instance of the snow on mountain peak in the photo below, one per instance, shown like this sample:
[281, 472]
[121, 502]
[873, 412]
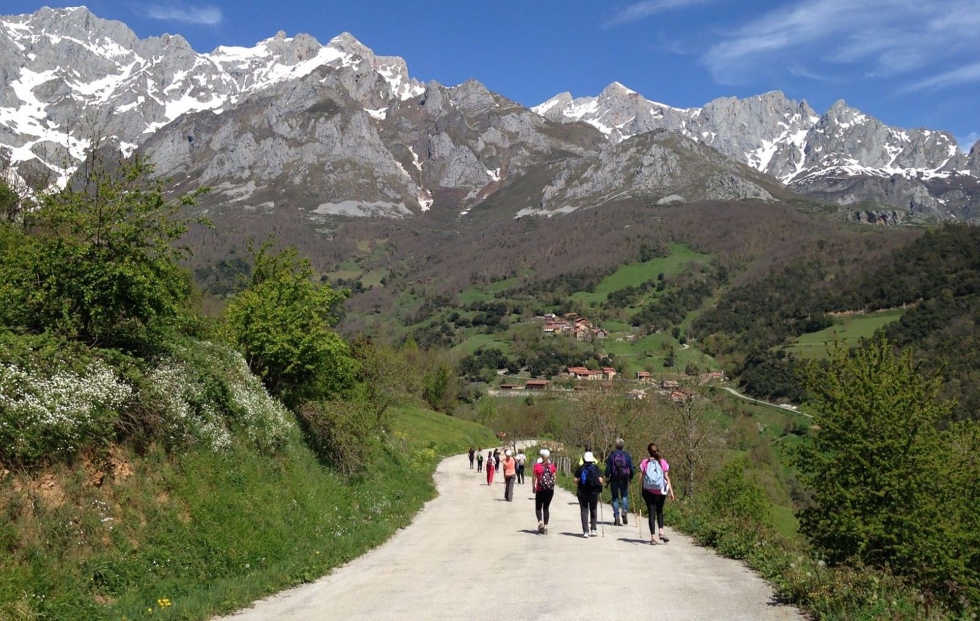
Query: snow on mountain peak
[145, 83]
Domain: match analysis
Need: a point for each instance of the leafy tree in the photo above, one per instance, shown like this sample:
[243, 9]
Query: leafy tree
[883, 477]
[98, 261]
[439, 388]
[283, 324]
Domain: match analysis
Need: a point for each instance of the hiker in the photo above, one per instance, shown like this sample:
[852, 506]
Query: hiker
[588, 449]
[510, 473]
[619, 473]
[479, 460]
[490, 468]
[543, 485]
[472, 456]
[521, 458]
[496, 459]
[656, 488]
[589, 485]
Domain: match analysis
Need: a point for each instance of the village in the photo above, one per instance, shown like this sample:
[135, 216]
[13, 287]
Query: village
[639, 386]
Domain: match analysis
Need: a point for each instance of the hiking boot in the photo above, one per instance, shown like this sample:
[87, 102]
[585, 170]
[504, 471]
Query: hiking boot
[593, 533]
[544, 531]
[616, 521]
[586, 534]
[540, 528]
[664, 539]
[624, 520]
[654, 541]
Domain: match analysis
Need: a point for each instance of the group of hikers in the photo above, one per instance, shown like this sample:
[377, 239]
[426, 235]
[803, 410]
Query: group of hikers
[590, 480]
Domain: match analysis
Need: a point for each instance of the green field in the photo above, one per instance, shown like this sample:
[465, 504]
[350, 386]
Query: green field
[849, 329]
[680, 257]
[472, 343]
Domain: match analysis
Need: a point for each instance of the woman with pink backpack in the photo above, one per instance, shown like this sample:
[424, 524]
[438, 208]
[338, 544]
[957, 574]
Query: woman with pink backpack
[656, 488]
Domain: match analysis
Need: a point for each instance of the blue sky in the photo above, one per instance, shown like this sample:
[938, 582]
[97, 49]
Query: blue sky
[911, 63]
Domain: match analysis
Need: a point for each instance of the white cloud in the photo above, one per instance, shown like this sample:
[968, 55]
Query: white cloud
[961, 75]
[646, 8]
[207, 15]
[879, 37]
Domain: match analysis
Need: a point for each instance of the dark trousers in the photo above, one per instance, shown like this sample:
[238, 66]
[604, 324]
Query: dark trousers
[479, 466]
[471, 463]
[542, 501]
[588, 503]
[509, 489]
[520, 474]
[655, 508]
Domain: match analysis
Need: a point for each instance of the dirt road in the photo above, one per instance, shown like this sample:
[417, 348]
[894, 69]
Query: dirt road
[471, 555]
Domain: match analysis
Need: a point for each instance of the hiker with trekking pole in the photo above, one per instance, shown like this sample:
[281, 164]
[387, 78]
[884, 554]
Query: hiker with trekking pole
[589, 485]
[656, 488]
[619, 473]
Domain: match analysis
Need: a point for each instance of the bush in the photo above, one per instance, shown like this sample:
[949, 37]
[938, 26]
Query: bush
[98, 261]
[343, 434]
[47, 415]
[891, 488]
[282, 323]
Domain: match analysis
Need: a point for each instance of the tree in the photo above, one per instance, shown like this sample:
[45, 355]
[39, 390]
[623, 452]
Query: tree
[889, 488]
[98, 261]
[283, 323]
[695, 439]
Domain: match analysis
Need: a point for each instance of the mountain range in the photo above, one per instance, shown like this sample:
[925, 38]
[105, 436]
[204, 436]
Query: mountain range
[338, 131]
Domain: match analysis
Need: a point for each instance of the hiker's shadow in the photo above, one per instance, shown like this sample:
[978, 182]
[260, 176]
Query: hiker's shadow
[529, 531]
[576, 535]
[643, 542]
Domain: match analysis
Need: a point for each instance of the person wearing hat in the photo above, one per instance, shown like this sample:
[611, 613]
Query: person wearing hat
[590, 483]
[543, 484]
[521, 459]
[509, 465]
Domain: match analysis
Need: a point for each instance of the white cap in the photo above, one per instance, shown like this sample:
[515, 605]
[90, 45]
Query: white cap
[507, 453]
[545, 452]
[589, 456]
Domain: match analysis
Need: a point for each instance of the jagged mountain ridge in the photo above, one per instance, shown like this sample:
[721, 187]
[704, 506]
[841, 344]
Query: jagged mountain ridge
[337, 130]
[120, 86]
[842, 155]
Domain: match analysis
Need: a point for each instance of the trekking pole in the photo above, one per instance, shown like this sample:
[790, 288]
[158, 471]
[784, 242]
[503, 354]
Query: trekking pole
[636, 511]
[602, 520]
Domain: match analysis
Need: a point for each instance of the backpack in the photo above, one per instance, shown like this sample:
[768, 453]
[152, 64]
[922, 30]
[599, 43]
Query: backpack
[620, 467]
[589, 479]
[653, 477]
[547, 478]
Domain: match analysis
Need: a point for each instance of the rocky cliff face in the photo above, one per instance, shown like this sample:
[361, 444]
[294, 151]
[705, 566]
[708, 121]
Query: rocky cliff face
[337, 130]
[842, 156]
[334, 129]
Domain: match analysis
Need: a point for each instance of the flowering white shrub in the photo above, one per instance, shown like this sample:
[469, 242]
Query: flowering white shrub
[52, 414]
[264, 420]
[237, 399]
[188, 417]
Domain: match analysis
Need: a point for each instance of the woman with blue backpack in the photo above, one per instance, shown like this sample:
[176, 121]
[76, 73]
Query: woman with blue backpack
[656, 488]
[590, 484]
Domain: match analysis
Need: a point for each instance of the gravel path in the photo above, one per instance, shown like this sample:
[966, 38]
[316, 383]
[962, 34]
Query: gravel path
[471, 555]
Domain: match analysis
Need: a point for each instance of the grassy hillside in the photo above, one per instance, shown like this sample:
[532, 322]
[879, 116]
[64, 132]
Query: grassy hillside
[849, 328]
[188, 536]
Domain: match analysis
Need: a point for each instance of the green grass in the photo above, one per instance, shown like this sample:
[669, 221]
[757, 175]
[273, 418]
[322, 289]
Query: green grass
[473, 294]
[209, 532]
[849, 329]
[680, 257]
[373, 278]
[474, 342]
